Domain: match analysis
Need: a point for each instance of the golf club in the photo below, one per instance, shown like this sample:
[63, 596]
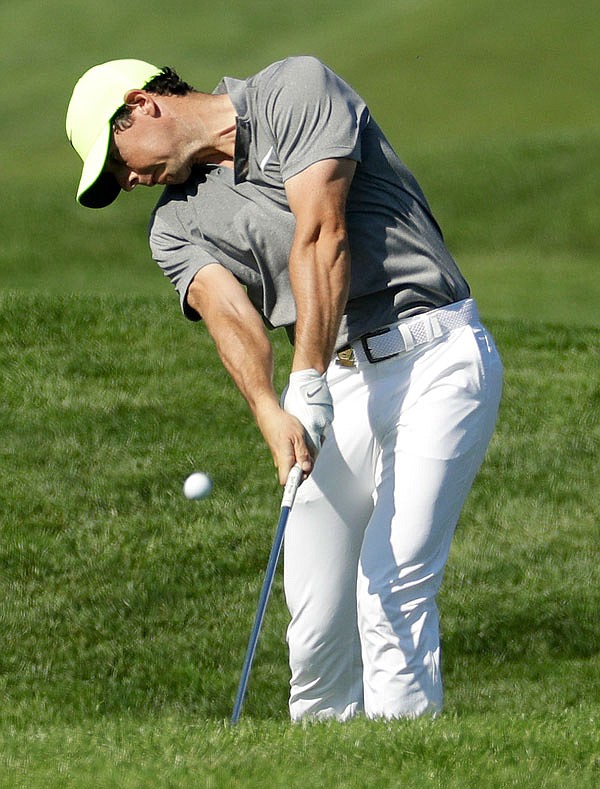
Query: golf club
[289, 494]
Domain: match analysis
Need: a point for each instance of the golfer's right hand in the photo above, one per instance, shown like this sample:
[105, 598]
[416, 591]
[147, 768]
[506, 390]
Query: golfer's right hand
[286, 438]
[307, 397]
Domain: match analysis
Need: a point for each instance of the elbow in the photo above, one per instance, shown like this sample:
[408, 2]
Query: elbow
[335, 246]
[328, 237]
[193, 297]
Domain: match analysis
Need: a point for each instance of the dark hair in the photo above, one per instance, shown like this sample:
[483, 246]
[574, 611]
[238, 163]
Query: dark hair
[166, 83]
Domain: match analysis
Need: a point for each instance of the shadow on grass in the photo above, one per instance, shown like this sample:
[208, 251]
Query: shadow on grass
[557, 628]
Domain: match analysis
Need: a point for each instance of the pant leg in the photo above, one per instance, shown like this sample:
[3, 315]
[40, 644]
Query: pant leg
[322, 546]
[372, 526]
[433, 440]
[402, 563]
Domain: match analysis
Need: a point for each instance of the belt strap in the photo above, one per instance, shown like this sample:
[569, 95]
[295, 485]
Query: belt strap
[409, 333]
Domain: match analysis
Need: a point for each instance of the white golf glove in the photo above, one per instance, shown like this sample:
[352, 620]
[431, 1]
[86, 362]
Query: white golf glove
[307, 397]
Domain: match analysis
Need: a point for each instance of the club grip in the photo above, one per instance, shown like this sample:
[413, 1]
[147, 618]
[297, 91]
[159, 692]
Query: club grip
[291, 486]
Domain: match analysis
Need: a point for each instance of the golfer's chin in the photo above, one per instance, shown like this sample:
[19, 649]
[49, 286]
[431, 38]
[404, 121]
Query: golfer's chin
[173, 179]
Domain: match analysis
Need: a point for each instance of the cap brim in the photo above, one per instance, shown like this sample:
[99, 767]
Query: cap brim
[101, 193]
[97, 188]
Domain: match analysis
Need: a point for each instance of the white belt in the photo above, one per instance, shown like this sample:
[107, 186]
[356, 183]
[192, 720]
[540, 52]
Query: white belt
[408, 334]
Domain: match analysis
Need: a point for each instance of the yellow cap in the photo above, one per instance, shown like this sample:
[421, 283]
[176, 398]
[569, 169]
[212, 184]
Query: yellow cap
[96, 98]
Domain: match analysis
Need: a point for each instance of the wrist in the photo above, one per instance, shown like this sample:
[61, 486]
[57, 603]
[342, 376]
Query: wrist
[299, 365]
[265, 405]
[305, 375]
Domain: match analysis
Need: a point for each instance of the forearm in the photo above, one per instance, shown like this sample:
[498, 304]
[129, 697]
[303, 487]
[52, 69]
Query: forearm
[247, 356]
[237, 331]
[320, 279]
[244, 348]
[320, 259]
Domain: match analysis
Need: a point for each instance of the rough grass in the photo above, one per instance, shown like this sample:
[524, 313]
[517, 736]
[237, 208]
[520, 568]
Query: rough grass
[126, 609]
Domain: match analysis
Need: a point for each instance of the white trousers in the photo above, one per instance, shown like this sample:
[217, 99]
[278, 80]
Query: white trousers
[369, 534]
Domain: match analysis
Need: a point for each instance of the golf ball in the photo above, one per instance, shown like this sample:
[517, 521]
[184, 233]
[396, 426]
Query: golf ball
[197, 486]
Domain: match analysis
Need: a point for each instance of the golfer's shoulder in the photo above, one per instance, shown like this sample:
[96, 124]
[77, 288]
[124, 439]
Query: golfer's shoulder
[293, 70]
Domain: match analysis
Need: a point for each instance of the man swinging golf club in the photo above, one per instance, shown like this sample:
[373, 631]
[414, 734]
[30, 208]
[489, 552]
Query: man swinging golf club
[285, 205]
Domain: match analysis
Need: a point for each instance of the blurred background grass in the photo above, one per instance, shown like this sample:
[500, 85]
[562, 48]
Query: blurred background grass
[494, 106]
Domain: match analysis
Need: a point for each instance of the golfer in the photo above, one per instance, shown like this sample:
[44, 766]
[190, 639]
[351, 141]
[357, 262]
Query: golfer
[285, 205]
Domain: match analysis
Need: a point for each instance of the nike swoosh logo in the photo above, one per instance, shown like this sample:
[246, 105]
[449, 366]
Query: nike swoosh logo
[265, 160]
[314, 392]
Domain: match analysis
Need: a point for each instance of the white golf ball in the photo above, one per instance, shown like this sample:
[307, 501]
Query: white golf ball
[197, 486]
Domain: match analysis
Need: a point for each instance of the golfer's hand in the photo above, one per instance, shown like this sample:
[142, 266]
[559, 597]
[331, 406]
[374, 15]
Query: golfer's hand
[286, 439]
[307, 397]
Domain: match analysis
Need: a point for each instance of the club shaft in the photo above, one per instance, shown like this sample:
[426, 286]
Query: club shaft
[286, 505]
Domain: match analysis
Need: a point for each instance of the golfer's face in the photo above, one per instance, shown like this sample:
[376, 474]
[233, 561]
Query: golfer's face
[147, 153]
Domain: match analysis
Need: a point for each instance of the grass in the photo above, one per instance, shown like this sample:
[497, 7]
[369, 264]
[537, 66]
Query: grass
[125, 609]
[178, 752]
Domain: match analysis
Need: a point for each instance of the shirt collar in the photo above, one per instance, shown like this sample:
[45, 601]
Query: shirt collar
[236, 90]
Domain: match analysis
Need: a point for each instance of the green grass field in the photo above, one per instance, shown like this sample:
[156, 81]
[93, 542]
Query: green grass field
[125, 609]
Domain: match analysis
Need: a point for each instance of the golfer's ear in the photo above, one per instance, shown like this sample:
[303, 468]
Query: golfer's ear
[139, 99]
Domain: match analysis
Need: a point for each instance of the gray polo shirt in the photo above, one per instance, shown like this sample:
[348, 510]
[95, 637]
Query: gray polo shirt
[293, 114]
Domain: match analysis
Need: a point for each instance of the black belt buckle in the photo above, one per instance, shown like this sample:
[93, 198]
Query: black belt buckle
[364, 342]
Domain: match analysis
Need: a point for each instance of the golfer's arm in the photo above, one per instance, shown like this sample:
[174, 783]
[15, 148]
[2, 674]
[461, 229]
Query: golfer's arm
[242, 343]
[238, 333]
[319, 258]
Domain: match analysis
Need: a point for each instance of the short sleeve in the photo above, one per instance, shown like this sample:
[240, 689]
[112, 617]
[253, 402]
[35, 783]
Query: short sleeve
[313, 115]
[179, 258]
